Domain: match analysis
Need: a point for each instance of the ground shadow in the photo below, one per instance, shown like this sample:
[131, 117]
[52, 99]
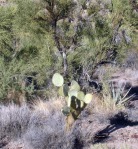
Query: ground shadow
[117, 122]
[133, 91]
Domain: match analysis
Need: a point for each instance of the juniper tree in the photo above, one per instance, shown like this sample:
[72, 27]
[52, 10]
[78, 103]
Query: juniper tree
[79, 24]
[62, 21]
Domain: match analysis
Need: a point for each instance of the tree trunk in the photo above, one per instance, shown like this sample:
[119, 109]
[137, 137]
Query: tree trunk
[65, 63]
[61, 49]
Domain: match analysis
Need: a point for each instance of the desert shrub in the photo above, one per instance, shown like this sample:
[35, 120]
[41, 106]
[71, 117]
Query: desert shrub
[8, 74]
[7, 34]
[37, 128]
[50, 132]
[25, 50]
[14, 121]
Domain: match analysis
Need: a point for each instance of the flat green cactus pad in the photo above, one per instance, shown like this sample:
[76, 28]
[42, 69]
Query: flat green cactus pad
[63, 90]
[80, 95]
[73, 93]
[69, 101]
[74, 86]
[82, 104]
[88, 98]
[57, 80]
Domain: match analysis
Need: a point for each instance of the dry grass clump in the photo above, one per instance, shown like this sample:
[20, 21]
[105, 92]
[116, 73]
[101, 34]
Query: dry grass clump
[104, 106]
[53, 104]
[14, 120]
[47, 127]
[37, 127]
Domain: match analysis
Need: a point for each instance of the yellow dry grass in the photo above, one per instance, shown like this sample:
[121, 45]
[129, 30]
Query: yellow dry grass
[53, 104]
[104, 105]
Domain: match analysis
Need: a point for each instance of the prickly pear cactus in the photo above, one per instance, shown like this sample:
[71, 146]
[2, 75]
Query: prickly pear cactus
[75, 98]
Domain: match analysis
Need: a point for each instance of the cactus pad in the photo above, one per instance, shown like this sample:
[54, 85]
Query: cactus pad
[73, 93]
[74, 86]
[63, 90]
[80, 95]
[57, 80]
[82, 104]
[66, 111]
[87, 98]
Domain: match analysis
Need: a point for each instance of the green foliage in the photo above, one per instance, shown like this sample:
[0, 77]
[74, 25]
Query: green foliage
[6, 31]
[9, 77]
[34, 35]
[23, 42]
